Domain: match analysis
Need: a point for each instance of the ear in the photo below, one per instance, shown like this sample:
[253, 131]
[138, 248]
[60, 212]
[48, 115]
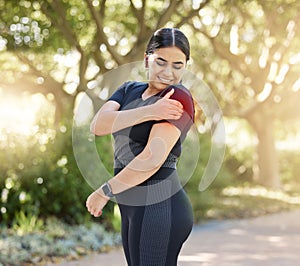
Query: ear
[146, 60]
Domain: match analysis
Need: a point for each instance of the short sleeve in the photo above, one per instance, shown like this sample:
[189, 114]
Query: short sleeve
[119, 94]
[184, 96]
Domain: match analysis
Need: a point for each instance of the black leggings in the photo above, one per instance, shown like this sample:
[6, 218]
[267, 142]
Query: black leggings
[153, 234]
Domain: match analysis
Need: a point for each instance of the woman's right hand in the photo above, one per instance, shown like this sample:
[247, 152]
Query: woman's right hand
[166, 108]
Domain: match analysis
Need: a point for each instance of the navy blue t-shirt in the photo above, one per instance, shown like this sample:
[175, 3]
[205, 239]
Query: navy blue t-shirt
[129, 142]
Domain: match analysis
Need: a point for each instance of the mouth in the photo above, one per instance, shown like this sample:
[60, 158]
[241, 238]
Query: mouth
[164, 80]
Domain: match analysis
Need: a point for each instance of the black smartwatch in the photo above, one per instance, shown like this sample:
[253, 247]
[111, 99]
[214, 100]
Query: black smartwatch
[106, 188]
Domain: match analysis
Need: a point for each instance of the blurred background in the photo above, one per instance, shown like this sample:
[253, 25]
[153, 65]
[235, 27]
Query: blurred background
[55, 53]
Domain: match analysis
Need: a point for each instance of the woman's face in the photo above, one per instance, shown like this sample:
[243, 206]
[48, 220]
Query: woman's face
[166, 67]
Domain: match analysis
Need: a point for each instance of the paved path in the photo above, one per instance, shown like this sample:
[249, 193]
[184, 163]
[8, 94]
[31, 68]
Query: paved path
[269, 240]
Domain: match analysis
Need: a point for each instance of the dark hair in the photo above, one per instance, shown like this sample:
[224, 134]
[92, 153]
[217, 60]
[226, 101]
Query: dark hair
[169, 37]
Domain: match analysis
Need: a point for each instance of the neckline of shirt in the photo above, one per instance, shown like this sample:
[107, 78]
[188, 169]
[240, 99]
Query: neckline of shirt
[149, 97]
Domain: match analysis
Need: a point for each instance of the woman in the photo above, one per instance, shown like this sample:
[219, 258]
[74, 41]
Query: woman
[149, 121]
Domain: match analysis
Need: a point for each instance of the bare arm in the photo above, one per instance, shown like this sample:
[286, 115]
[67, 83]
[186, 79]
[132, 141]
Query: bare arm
[109, 119]
[162, 138]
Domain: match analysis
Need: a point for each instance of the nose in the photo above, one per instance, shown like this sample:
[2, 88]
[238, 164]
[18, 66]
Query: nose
[168, 70]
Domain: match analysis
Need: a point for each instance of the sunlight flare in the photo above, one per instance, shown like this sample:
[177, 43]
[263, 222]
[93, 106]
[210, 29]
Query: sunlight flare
[18, 115]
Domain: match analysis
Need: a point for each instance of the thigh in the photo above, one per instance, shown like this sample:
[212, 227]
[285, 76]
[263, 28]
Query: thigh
[125, 231]
[146, 233]
[132, 220]
[155, 234]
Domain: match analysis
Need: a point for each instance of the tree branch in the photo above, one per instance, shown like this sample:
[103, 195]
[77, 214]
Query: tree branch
[165, 17]
[62, 24]
[101, 35]
[135, 11]
[50, 84]
[192, 13]
[102, 9]
[140, 16]
[83, 64]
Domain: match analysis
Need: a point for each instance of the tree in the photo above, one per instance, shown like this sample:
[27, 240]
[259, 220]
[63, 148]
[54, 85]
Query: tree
[254, 68]
[245, 50]
[37, 31]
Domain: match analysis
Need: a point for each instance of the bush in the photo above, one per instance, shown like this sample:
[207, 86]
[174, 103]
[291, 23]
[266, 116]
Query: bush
[54, 239]
[290, 166]
[40, 177]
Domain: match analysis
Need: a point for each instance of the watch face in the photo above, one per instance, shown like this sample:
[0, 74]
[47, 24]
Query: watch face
[107, 190]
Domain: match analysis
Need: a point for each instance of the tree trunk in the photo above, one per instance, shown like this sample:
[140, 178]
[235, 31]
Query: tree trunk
[266, 170]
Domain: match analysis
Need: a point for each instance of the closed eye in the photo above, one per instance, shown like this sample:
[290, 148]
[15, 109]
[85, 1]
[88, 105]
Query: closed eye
[161, 62]
[178, 65]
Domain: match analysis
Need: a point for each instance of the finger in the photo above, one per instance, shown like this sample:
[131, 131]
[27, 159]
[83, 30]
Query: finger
[97, 214]
[173, 114]
[179, 108]
[176, 109]
[176, 103]
[176, 116]
[169, 94]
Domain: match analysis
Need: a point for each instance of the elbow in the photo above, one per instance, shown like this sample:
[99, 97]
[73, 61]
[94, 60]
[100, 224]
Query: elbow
[156, 162]
[96, 130]
[100, 125]
[152, 162]
[154, 155]
[93, 129]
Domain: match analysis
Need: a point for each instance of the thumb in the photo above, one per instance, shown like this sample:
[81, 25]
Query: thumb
[169, 94]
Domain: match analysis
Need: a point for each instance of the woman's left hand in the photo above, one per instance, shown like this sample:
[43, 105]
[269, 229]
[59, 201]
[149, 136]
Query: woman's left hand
[96, 202]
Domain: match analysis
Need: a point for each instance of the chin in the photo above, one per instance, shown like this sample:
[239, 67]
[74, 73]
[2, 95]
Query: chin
[162, 85]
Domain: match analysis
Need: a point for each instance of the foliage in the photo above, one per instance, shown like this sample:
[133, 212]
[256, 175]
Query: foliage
[290, 167]
[26, 224]
[248, 53]
[234, 194]
[203, 201]
[42, 180]
[249, 200]
[61, 48]
[250, 60]
[56, 240]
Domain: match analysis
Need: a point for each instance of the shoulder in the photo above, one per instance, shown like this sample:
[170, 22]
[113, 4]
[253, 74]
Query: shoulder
[181, 94]
[184, 96]
[180, 91]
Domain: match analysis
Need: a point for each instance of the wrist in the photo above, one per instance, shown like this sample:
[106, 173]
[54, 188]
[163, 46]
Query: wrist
[100, 192]
[106, 190]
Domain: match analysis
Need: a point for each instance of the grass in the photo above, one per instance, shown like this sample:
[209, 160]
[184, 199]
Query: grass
[247, 201]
